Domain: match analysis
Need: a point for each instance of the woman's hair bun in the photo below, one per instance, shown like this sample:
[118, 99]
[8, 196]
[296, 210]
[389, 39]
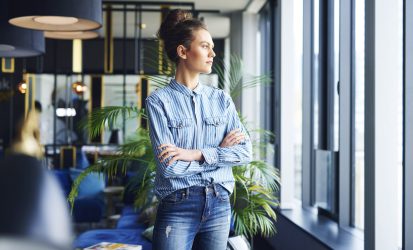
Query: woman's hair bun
[173, 18]
[178, 29]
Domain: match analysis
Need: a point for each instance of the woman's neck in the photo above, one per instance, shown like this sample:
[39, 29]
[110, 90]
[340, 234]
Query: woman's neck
[186, 77]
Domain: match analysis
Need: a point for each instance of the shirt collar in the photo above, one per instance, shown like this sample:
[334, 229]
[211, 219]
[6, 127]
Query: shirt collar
[185, 90]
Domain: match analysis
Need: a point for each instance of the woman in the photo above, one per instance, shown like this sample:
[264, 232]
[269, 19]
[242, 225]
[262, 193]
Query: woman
[197, 137]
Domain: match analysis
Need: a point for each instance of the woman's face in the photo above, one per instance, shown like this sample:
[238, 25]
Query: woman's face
[200, 56]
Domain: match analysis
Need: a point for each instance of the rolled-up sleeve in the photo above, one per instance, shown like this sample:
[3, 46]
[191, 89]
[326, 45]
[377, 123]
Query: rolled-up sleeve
[160, 134]
[236, 155]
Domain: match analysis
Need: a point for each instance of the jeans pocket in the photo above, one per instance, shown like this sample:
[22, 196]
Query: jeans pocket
[174, 198]
[223, 195]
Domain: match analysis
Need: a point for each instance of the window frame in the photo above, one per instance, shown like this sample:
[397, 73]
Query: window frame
[407, 225]
[323, 87]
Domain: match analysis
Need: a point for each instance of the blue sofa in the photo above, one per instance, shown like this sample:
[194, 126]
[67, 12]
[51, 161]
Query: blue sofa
[128, 231]
[89, 206]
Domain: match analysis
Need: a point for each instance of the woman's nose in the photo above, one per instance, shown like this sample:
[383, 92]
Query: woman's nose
[212, 53]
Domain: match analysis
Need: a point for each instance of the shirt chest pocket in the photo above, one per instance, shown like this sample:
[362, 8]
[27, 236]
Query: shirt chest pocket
[180, 129]
[214, 128]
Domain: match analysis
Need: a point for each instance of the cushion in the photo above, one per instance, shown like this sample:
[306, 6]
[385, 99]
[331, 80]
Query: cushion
[126, 236]
[129, 222]
[129, 209]
[81, 160]
[88, 209]
[92, 185]
[64, 179]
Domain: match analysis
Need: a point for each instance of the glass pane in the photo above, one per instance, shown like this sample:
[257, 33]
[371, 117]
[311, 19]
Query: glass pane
[298, 34]
[316, 50]
[325, 103]
[336, 72]
[44, 90]
[359, 116]
[113, 96]
[325, 174]
[399, 84]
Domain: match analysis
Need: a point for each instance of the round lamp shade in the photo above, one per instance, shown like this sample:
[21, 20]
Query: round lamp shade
[18, 42]
[69, 35]
[56, 15]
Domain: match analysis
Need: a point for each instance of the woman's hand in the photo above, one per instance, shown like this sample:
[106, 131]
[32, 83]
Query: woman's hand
[170, 150]
[232, 138]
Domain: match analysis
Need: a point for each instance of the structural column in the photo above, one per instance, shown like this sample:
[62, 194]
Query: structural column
[383, 77]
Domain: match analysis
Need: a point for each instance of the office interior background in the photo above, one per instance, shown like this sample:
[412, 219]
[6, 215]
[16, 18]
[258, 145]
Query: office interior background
[340, 103]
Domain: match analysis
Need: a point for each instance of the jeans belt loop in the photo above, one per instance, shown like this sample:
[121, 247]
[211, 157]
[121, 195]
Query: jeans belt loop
[215, 189]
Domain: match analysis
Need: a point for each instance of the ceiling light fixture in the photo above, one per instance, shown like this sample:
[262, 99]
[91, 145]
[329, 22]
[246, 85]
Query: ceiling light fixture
[79, 87]
[53, 15]
[22, 87]
[56, 20]
[70, 35]
[18, 42]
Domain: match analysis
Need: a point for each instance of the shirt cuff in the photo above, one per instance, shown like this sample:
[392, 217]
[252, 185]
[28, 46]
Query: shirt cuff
[210, 155]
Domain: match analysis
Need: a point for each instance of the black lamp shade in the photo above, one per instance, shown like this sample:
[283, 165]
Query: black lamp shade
[19, 42]
[56, 15]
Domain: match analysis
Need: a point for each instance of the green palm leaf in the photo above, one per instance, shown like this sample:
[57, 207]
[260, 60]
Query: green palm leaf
[159, 81]
[234, 76]
[108, 116]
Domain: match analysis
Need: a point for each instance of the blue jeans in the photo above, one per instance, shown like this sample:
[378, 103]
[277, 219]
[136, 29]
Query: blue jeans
[194, 217]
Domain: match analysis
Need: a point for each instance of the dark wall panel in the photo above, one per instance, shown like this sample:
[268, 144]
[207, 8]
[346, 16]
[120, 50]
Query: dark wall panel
[11, 105]
[58, 57]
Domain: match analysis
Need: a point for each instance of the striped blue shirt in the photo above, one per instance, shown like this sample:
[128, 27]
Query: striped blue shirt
[195, 119]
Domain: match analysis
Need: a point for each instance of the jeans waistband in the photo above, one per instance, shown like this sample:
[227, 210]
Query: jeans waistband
[210, 188]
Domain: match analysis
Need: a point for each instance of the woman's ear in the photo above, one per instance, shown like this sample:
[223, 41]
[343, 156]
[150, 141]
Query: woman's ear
[181, 51]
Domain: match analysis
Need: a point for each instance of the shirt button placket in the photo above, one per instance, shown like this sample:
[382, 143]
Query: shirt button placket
[197, 116]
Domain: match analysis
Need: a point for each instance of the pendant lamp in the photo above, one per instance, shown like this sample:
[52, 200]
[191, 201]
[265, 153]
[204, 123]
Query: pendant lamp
[69, 35]
[18, 42]
[56, 15]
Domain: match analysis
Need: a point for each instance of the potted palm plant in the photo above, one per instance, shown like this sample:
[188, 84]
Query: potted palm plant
[256, 183]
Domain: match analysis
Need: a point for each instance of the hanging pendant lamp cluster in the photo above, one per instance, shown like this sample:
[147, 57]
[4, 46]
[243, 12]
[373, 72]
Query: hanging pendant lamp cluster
[23, 21]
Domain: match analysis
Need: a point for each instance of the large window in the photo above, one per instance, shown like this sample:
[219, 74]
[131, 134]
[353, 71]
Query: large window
[265, 38]
[360, 94]
[325, 105]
